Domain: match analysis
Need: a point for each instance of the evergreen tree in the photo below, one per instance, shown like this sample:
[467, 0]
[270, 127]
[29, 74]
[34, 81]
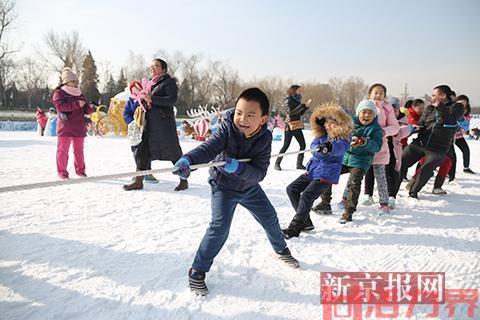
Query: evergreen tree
[89, 82]
[110, 90]
[121, 82]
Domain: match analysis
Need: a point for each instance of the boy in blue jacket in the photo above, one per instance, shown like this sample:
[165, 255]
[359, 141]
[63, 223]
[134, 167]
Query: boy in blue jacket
[332, 128]
[366, 141]
[243, 134]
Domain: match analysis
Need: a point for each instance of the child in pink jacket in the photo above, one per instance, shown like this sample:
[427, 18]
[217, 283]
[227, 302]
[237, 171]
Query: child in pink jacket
[71, 107]
[389, 124]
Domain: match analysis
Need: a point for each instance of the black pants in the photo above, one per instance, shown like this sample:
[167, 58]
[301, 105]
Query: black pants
[134, 149]
[142, 155]
[289, 134]
[353, 186]
[302, 193]
[411, 155]
[463, 146]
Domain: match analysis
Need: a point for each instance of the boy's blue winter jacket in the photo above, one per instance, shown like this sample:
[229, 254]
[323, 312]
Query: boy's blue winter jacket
[327, 166]
[228, 141]
[129, 110]
[362, 156]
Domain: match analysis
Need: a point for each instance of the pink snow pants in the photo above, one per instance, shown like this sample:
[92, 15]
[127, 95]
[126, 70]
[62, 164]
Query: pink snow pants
[63, 147]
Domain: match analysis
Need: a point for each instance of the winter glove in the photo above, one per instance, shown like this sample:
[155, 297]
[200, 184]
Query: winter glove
[233, 165]
[183, 166]
[358, 141]
[325, 148]
[320, 122]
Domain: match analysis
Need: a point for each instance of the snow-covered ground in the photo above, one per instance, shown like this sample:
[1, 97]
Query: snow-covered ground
[94, 251]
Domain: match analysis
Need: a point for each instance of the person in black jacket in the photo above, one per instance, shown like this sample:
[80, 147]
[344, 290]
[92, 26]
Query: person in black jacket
[159, 138]
[438, 125]
[294, 109]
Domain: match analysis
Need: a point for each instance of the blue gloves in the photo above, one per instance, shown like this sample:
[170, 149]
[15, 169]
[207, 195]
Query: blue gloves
[183, 166]
[325, 148]
[233, 166]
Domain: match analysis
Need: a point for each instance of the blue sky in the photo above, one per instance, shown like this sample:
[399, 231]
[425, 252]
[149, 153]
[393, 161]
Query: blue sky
[422, 43]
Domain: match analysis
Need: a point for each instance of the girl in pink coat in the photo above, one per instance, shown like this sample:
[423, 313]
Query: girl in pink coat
[389, 124]
[71, 107]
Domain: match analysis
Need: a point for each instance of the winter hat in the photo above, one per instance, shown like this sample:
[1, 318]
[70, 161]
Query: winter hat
[68, 75]
[394, 102]
[136, 84]
[366, 104]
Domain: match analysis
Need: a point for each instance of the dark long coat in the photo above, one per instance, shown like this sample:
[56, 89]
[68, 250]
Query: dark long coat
[160, 132]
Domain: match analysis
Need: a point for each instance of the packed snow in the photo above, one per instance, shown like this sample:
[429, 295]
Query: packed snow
[94, 251]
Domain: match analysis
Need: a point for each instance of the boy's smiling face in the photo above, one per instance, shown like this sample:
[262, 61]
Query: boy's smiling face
[248, 116]
[366, 117]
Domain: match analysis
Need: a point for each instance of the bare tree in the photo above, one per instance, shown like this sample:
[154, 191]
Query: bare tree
[319, 93]
[136, 67]
[275, 88]
[68, 50]
[348, 93]
[174, 61]
[354, 90]
[7, 16]
[32, 78]
[190, 75]
[226, 84]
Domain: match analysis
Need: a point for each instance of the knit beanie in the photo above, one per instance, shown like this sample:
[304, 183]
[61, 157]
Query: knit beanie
[68, 75]
[366, 104]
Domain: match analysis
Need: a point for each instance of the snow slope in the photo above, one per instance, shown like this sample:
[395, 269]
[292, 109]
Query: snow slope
[94, 251]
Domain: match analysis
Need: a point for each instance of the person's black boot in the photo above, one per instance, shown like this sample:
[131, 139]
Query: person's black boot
[293, 229]
[277, 164]
[300, 165]
[322, 208]
[308, 225]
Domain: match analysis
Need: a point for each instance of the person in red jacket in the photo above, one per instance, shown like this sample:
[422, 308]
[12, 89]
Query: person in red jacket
[41, 120]
[71, 107]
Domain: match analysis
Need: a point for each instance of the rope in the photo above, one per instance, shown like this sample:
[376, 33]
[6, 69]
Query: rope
[38, 185]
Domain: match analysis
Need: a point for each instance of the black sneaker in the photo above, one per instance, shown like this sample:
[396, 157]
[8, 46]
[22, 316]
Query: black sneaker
[277, 167]
[413, 195]
[468, 170]
[293, 229]
[308, 225]
[196, 282]
[301, 167]
[322, 208]
[286, 256]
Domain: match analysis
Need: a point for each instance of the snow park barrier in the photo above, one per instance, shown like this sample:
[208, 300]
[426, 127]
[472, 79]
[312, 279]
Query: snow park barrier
[39, 185]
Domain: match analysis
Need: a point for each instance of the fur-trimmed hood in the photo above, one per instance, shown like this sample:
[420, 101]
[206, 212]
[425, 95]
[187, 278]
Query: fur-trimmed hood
[332, 110]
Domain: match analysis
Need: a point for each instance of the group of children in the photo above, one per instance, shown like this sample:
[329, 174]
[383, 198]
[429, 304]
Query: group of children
[368, 144]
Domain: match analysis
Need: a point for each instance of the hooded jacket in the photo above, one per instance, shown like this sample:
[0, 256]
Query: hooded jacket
[326, 167]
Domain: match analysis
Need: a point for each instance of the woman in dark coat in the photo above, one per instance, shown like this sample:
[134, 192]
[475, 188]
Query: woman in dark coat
[159, 139]
[294, 109]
